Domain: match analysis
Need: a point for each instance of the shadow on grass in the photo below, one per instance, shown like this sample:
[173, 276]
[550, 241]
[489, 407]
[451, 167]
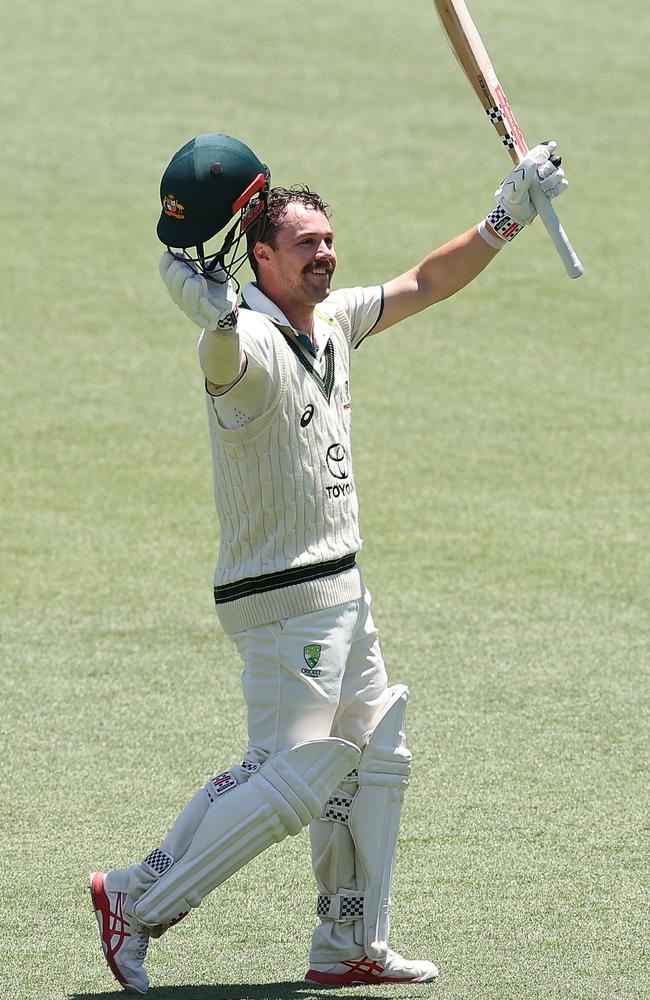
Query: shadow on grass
[297, 990]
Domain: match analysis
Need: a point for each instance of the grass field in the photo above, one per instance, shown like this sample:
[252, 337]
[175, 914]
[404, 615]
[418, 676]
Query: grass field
[501, 457]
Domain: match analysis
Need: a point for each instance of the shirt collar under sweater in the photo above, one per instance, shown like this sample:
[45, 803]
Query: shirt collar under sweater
[255, 299]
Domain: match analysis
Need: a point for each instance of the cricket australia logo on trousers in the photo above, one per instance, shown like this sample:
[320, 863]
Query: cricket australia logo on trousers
[311, 654]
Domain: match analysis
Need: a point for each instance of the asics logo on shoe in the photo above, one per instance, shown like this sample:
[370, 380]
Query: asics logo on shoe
[118, 926]
[366, 966]
[357, 972]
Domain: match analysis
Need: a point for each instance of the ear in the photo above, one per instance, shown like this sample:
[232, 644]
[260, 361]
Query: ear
[262, 252]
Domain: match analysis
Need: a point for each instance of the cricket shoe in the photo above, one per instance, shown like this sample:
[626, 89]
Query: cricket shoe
[124, 940]
[366, 971]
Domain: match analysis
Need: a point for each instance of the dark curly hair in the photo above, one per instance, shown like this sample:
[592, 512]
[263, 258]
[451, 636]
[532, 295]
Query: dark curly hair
[266, 229]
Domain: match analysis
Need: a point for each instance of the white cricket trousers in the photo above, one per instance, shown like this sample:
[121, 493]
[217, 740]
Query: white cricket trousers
[293, 692]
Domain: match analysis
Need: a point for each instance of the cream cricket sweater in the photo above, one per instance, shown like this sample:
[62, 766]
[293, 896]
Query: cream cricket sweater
[283, 483]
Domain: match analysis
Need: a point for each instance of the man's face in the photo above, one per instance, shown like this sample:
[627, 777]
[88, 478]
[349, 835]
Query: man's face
[301, 265]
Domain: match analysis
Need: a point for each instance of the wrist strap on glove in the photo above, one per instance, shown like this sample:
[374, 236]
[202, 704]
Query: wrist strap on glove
[506, 227]
[229, 322]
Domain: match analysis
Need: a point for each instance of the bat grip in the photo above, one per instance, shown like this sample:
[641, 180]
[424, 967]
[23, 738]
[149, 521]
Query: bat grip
[547, 214]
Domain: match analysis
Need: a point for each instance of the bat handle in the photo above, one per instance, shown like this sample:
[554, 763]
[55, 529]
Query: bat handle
[547, 214]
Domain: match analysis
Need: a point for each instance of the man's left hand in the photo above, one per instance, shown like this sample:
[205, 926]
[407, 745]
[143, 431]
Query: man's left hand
[515, 208]
[540, 166]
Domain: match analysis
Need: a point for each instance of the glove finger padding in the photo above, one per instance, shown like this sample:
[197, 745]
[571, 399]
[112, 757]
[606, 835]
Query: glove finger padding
[549, 173]
[194, 287]
[175, 279]
[165, 263]
[557, 190]
[220, 295]
[547, 170]
[543, 151]
[210, 313]
[552, 180]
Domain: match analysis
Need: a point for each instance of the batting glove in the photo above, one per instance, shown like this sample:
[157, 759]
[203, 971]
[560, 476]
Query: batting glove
[515, 208]
[210, 301]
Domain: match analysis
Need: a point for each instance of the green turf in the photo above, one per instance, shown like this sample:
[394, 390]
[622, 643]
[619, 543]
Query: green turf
[501, 456]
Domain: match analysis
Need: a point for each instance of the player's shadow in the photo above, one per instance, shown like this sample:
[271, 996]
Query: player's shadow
[231, 991]
[297, 990]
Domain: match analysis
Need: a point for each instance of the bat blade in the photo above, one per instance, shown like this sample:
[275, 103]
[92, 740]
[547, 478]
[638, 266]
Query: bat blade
[471, 54]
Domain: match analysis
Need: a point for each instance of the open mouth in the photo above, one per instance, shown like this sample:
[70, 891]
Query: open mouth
[322, 269]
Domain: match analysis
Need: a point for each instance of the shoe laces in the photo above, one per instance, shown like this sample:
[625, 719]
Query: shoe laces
[141, 945]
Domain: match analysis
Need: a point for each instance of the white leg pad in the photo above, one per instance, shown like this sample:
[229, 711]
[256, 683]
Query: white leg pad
[138, 878]
[354, 844]
[384, 773]
[287, 792]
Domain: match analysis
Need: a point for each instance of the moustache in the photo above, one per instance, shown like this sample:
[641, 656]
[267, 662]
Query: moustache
[320, 266]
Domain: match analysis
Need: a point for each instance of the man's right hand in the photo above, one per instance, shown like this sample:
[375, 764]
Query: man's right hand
[210, 302]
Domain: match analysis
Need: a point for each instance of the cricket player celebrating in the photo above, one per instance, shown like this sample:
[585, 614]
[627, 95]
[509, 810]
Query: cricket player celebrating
[325, 729]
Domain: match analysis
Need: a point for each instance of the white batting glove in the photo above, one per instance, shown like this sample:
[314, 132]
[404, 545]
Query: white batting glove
[515, 208]
[209, 301]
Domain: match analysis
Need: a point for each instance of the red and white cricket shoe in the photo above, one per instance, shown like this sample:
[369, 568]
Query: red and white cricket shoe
[124, 940]
[366, 971]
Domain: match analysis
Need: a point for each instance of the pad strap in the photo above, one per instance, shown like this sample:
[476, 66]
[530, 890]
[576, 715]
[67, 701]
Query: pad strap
[158, 862]
[342, 907]
[337, 807]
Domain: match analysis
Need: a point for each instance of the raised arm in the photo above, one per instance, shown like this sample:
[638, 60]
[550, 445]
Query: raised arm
[443, 272]
[452, 266]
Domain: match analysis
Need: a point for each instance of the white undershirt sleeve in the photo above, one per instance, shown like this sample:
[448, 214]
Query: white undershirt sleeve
[252, 393]
[220, 356]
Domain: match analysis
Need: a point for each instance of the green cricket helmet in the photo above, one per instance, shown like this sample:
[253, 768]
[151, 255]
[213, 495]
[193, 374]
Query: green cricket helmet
[210, 180]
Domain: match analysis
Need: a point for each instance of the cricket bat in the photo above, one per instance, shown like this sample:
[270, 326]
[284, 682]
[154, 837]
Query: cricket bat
[472, 56]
